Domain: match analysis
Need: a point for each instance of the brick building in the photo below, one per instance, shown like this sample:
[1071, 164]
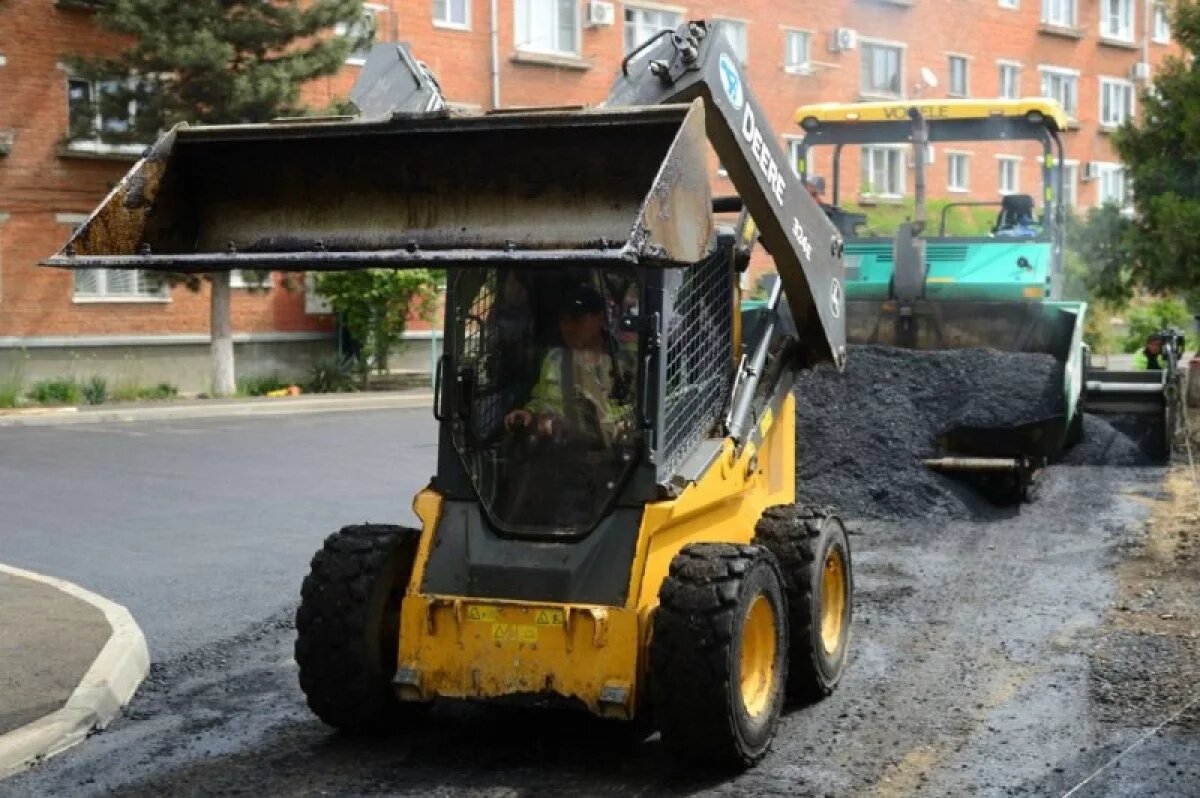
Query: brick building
[1092, 55]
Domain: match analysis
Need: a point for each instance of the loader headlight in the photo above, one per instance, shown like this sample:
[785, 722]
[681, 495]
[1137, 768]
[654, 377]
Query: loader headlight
[1035, 118]
[809, 123]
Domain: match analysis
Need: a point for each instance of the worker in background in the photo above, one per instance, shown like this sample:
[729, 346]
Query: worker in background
[583, 391]
[1150, 356]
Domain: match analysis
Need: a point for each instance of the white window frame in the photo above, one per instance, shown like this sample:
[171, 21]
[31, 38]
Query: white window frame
[642, 28]
[1107, 171]
[864, 45]
[556, 47]
[1070, 192]
[1010, 4]
[450, 23]
[102, 276]
[963, 157]
[1161, 25]
[1061, 73]
[898, 169]
[238, 279]
[1117, 26]
[791, 65]
[966, 75]
[1001, 162]
[1015, 66]
[794, 144]
[314, 303]
[1111, 118]
[740, 44]
[371, 12]
[95, 144]
[1060, 13]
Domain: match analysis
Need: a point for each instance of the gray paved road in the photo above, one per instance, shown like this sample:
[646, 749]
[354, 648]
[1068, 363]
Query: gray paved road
[203, 527]
[972, 672]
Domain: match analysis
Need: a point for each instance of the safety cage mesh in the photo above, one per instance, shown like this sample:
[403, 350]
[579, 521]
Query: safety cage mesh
[699, 359]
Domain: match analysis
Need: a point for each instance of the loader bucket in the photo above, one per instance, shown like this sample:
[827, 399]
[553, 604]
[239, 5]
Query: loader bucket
[626, 185]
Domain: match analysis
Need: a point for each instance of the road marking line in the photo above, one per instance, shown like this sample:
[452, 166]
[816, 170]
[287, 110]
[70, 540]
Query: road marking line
[1195, 700]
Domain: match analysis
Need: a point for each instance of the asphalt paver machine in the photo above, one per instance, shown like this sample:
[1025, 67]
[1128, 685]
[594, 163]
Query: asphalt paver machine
[930, 287]
[612, 525]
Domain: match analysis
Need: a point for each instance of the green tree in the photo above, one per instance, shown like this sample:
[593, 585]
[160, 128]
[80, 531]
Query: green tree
[1145, 318]
[1157, 249]
[209, 62]
[375, 305]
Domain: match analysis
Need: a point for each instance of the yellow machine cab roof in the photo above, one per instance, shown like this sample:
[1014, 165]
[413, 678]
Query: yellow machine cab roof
[933, 110]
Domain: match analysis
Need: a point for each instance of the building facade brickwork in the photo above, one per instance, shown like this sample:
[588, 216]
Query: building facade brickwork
[566, 52]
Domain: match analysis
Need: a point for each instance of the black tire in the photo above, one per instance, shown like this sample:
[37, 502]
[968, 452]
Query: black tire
[696, 654]
[348, 628]
[804, 539]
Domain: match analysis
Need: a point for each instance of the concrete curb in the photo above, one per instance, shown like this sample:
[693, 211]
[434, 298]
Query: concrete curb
[106, 687]
[323, 403]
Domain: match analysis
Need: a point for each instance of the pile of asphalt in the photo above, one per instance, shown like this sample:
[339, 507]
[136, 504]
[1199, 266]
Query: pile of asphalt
[1114, 442]
[861, 434]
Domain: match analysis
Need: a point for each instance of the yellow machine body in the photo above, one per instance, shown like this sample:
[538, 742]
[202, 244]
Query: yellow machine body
[593, 656]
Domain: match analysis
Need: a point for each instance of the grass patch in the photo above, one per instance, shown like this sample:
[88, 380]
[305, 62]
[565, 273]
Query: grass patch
[57, 391]
[10, 394]
[260, 386]
[138, 393]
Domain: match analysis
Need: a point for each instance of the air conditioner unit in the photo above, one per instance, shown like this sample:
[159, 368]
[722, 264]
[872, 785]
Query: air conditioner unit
[843, 39]
[601, 13]
[1140, 71]
[1091, 170]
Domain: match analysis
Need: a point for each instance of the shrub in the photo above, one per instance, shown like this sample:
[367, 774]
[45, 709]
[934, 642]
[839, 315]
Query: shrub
[58, 391]
[95, 391]
[332, 374]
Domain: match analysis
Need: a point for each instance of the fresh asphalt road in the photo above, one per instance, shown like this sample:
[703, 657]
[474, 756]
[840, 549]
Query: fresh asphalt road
[202, 528]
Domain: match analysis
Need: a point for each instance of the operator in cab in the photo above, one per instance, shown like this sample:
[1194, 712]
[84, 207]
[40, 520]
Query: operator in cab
[583, 393]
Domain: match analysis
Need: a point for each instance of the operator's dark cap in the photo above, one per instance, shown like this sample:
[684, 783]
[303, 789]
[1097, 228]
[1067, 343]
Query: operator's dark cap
[581, 300]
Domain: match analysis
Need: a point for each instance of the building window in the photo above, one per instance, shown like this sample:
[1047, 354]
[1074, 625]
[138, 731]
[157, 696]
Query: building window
[795, 149]
[1060, 13]
[882, 69]
[1061, 85]
[1162, 23]
[126, 284]
[1116, 102]
[797, 51]
[959, 78]
[642, 23]
[1111, 184]
[958, 171]
[1116, 19]
[1070, 184]
[1010, 3]
[101, 116]
[735, 34]
[548, 26]
[361, 33]
[249, 278]
[452, 13]
[883, 171]
[1010, 81]
[1010, 174]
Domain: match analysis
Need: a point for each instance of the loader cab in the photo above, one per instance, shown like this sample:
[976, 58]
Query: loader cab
[545, 368]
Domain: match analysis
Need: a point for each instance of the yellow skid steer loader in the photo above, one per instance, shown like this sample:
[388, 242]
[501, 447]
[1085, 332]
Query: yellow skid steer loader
[612, 522]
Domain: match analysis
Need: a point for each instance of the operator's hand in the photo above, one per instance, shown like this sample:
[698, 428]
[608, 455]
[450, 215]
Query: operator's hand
[548, 426]
[518, 418]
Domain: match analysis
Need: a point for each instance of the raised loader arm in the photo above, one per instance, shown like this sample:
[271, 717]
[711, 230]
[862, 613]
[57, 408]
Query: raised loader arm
[696, 60]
